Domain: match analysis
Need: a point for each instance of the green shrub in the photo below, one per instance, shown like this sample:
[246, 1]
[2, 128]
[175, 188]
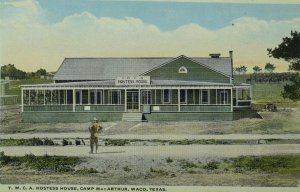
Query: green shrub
[65, 142]
[185, 164]
[160, 172]
[26, 142]
[126, 168]
[86, 170]
[48, 141]
[169, 160]
[116, 142]
[267, 164]
[211, 165]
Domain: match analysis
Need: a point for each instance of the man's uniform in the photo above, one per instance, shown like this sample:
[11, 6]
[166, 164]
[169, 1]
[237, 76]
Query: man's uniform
[94, 129]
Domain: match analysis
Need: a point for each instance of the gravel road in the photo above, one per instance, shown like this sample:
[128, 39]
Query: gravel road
[187, 151]
[149, 137]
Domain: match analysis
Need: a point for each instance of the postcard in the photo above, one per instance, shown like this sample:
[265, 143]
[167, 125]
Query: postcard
[150, 95]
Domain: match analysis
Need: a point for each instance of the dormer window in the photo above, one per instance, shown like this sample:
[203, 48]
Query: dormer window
[182, 69]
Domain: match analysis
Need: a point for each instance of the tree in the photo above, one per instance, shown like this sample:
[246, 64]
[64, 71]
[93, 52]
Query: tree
[240, 69]
[270, 67]
[12, 72]
[256, 69]
[41, 72]
[289, 50]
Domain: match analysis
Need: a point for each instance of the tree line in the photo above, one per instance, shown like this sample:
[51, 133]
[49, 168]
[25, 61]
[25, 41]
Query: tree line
[13, 73]
[269, 68]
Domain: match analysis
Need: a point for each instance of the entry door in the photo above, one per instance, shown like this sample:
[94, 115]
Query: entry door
[133, 101]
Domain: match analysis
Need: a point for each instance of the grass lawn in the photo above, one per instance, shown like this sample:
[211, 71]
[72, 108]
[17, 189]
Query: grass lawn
[15, 88]
[271, 93]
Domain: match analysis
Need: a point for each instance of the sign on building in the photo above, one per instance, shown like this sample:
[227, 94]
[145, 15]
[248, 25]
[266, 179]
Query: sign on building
[140, 80]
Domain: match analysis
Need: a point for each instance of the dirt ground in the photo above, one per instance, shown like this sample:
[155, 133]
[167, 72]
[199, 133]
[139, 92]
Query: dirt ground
[12, 176]
[153, 170]
[284, 121]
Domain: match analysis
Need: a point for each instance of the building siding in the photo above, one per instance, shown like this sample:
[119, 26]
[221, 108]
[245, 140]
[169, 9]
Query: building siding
[196, 72]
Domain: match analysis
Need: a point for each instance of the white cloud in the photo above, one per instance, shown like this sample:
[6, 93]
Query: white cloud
[16, 12]
[31, 44]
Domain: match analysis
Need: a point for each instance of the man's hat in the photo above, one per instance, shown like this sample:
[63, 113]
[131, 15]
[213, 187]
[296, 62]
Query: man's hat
[95, 119]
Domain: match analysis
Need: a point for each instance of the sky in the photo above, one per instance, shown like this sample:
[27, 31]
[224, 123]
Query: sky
[41, 33]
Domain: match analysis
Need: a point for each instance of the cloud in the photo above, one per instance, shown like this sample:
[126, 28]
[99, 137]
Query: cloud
[30, 44]
[15, 12]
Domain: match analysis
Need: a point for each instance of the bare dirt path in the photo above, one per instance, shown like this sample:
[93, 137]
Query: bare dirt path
[189, 151]
[150, 137]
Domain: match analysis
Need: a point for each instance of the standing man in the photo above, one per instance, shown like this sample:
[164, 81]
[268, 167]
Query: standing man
[94, 129]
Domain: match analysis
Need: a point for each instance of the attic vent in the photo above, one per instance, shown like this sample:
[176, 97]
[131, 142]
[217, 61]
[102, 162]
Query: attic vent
[182, 69]
[215, 55]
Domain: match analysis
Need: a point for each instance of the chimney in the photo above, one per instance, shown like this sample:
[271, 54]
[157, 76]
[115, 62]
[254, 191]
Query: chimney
[214, 55]
[231, 54]
[231, 58]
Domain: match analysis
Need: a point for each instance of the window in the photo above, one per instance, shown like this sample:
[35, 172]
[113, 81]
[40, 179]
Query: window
[40, 97]
[99, 96]
[204, 96]
[85, 95]
[78, 96]
[55, 96]
[167, 96]
[47, 96]
[223, 97]
[26, 97]
[69, 96]
[62, 96]
[182, 69]
[115, 97]
[146, 97]
[92, 97]
[183, 96]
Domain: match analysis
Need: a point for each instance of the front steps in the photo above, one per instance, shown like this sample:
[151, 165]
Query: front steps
[132, 117]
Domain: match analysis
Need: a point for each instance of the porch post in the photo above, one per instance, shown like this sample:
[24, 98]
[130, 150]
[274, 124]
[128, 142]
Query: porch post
[80, 95]
[178, 100]
[194, 98]
[44, 97]
[231, 102]
[139, 100]
[22, 103]
[29, 99]
[51, 92]
[237, 96]
[66, 97]
[216, 96]
[251, 94]
[155, 96]
[74, 100]
[125, 100]
[58, 96]
[89, 96]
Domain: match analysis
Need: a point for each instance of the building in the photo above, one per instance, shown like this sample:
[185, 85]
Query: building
[150, 89]
[5, 97]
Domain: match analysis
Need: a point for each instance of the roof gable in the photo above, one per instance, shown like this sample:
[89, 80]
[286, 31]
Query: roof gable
[193, 71]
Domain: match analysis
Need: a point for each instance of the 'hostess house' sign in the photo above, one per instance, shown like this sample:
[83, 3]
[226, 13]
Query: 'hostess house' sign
[140, 80]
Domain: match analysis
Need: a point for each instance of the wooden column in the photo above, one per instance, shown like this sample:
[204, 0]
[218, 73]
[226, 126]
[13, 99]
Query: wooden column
[22, 102]
[74, 100]
[178, 100]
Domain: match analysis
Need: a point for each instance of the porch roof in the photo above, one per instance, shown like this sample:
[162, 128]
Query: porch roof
[241, 85]
[111, 83]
